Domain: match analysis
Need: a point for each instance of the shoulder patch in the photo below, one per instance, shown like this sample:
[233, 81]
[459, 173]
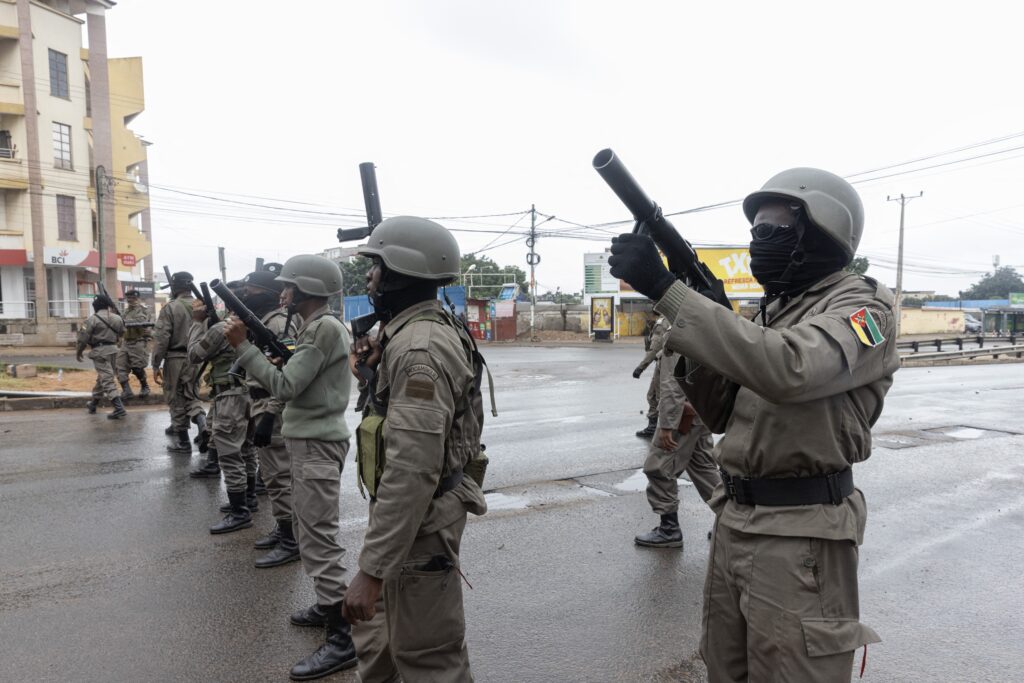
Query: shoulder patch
[421, 369]
[865, 327]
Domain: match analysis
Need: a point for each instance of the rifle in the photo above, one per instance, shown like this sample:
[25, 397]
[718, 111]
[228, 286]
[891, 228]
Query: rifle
[211, 311]
[110, 300]
[371, 199]
[167, 274]
[682, 259]
[264, 338]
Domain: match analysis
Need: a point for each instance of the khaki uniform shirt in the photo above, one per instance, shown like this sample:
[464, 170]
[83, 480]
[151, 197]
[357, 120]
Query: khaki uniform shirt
[101, 329]
[657, 343]
[139, 313]
[172, 330]
[208, 345]
[795, 399]
[275, 322]
[433, 425]
[315, 384]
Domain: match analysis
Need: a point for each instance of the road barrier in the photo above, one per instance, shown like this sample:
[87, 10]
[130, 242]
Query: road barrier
[994, 351]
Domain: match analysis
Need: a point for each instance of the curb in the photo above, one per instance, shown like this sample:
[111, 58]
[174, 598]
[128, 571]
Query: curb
[57, 402]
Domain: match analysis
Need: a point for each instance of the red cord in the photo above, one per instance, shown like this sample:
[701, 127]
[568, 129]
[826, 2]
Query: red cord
[864, 661]
[463, 577]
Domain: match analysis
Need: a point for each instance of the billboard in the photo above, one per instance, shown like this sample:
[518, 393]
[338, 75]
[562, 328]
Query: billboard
[731, 265]
[597, 276]
[1016, 299]
[602, 316]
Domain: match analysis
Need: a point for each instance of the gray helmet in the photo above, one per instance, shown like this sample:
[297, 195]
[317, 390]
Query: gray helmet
[312, 275]
[830, 203]
[415, 247]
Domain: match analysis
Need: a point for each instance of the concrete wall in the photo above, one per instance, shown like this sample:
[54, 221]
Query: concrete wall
[931, 321]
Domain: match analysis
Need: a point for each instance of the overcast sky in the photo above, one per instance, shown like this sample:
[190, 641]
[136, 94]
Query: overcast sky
[471, 108]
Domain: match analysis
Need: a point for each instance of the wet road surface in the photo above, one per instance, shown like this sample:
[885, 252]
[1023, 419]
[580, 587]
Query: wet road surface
[107, 572]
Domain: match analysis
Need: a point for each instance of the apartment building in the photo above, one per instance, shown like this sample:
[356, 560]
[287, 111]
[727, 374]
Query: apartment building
[64, 111]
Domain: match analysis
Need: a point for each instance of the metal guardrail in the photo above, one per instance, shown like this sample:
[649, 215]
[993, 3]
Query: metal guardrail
[979, 339]
[994, 351]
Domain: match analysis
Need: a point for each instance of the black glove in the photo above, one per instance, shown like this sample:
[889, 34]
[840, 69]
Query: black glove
[717, 294]
[636, 373]
[636, 260]
[264, 430]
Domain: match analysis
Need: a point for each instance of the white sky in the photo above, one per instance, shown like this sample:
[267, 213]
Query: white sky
[471, 107]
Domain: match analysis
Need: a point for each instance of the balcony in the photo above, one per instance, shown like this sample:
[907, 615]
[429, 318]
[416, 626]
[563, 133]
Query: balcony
[11, 101]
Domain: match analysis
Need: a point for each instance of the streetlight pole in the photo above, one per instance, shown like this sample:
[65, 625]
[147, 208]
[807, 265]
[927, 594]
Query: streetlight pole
[101, 182]
[902, 199]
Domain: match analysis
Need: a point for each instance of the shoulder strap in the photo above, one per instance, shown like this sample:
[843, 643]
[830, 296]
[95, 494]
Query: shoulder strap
[109, 326]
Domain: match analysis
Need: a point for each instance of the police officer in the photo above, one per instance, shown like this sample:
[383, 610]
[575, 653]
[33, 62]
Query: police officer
[134, 353]
[796, 393]
[427, 387]
[101, 332]
[653, 355]
[171, 367]
[230, 422]
[314, 386]
[261, 292]
[681, 444]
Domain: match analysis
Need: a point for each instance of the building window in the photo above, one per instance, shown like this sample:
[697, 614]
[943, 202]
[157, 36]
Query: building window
[66, 218]
[62, 146]
[59, 74]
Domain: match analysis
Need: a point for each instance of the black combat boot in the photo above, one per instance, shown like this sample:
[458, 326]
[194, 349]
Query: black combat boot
[141, 375]
[261, 488]
[181, 443]
[314, 615]
[126, 391]
[199, 420]
[208, 470]
[250, 497]
[665, 535]
[648, 431]
[91, 407]
[337, 653]
[270, 540]
[287, 549]
[118, 411]
[170, 431]
[238, 516]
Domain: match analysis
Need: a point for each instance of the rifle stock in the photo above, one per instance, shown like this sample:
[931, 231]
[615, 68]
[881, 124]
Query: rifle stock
[682, 259]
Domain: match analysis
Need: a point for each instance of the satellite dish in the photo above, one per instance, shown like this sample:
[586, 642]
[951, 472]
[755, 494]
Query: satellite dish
[140, 187]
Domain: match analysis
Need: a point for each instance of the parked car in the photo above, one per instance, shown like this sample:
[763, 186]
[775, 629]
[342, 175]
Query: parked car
[971, 324]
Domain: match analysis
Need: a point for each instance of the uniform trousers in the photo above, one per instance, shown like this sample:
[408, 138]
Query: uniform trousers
[419, 631]
[103, 358]
[276, 469]
[230, 429]
[180, 392]
[780, 608]
[132, 355]
[316, 487]
[654, 392]
[663, 469]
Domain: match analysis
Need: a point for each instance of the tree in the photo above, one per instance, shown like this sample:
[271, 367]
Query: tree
[353, 276]
[487, 277]
[859, 265]
[997, 285]
[560, 297]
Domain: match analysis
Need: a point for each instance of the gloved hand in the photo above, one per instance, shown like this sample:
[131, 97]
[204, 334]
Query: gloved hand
[264, 429]
[636, 260]
[639, 371]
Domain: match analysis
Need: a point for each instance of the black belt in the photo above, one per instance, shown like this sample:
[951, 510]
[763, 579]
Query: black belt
[257, 393]
[449, 483]
[95, 344]
[820, 490]
[179, 348]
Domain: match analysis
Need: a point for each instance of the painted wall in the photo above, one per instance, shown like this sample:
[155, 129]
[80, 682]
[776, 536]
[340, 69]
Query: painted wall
[925, 321]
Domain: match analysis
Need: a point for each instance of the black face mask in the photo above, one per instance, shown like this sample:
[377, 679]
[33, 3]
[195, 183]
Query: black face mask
[262, 303]
[786, 264]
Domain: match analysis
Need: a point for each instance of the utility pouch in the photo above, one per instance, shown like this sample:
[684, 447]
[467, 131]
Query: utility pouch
[370, 454]
[476, 468]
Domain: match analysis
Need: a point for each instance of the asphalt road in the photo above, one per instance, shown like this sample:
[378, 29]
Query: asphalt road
[107, 572]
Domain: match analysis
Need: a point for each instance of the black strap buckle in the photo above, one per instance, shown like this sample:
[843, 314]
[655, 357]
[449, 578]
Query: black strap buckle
[835, 494]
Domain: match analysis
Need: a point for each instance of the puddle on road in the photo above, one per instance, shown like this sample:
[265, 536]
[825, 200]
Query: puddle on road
[636, 482]
[964, 433]
[503, 501]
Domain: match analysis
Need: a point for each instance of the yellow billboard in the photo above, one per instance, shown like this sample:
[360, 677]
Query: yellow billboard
[731, 265]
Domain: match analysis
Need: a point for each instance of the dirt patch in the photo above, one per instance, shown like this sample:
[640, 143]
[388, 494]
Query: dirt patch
[690, 670]
[49, 380]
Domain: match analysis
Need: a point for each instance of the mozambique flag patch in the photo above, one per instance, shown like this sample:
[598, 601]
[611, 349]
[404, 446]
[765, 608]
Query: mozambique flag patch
[866, 328]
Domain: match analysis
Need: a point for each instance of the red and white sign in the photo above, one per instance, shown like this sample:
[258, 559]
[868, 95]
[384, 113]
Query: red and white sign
[127, 260]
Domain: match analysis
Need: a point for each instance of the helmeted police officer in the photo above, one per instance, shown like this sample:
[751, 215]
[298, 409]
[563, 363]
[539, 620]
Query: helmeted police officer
[421, 478]
[796, 394]
[314, 386]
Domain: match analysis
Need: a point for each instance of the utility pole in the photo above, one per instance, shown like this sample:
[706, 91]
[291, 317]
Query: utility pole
[223, 268]
[902, 199]
[532, 258]
[101, 181]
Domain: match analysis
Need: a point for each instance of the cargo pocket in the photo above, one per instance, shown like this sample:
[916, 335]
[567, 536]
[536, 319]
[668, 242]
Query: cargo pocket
[825, 637]
[320, 470]
[430, 612]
